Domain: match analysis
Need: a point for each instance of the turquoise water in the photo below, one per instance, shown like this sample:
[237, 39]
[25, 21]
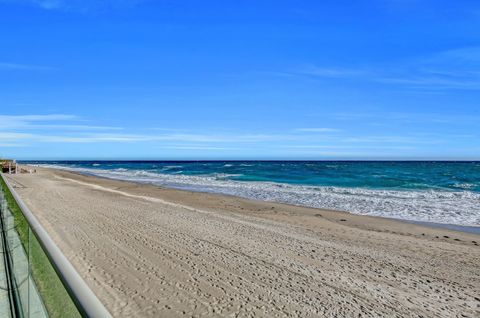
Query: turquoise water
[444, 192]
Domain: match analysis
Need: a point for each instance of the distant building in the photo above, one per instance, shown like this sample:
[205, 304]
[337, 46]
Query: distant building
[8, 166]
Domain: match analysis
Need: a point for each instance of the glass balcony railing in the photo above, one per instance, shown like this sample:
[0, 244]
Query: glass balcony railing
[35, 281]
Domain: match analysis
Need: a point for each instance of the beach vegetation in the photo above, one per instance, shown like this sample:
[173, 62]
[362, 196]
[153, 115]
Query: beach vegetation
[54, 294]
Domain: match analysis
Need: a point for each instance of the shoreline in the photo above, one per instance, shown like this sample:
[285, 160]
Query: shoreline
[471, 229]
[151, 251]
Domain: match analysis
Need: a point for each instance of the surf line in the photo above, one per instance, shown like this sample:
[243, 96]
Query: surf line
[253, 223]
[142, 197]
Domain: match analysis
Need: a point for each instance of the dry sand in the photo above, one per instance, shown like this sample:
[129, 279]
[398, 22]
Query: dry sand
[154, 252]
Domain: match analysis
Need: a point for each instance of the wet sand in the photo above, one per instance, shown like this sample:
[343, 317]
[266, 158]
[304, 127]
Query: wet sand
[155, 252]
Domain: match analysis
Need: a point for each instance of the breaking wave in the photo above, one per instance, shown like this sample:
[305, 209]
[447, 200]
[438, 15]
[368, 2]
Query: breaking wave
[433, 205]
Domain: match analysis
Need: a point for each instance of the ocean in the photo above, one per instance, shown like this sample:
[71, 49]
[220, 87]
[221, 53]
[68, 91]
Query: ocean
[425, 191]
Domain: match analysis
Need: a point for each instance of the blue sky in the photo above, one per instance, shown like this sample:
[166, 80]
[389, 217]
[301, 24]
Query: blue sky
[379, 79]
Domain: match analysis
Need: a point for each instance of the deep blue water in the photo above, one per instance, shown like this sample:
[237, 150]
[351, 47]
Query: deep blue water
[373, 175]
[446, 192]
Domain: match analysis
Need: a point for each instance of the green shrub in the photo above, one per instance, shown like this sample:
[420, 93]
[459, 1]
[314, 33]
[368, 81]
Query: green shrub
[54, 295]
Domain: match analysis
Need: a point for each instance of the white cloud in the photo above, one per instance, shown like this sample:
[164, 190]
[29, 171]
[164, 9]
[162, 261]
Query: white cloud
[72, 127]
[318, 129]
[332, 72]
[434, 82]
[33, 129]
[8, 122]
[77, 5]
[63, 128]
[23, 67]
[88, 138]
[204, 141]
[451, 69]
[38, 117]
[199, 148]
[47, 122]
[393, 140]
[8, 136]
[407, 117]
[197, 138]
[352, 146]
[10, 145]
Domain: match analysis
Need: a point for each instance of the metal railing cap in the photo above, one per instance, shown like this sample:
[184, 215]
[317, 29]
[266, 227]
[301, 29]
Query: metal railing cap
[86, 301]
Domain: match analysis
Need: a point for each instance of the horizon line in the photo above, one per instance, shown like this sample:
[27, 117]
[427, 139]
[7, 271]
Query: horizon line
[265, 159]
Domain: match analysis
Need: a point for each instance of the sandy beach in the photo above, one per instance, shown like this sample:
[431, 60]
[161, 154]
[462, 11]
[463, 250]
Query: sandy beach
[148, 251]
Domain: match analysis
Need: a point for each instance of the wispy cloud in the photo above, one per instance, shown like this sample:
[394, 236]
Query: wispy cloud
[10, 145]
[199, 148]
[47, 122]
[8, 136]
[24, 67]
[362, 147]
[314, 70]
[318, 129]
[38, 117]
[407, 117]
[72, 127]
[451, 69]
[197, 138]
[87, 138]
[62, 129]
[77, 5]
[9, 122]
[434, 81]
[392, 140]
[184, 141]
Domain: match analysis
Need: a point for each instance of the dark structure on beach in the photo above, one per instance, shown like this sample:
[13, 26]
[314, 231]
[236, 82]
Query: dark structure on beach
[8, 166]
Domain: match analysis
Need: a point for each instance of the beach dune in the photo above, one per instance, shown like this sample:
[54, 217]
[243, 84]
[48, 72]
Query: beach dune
[151, 252]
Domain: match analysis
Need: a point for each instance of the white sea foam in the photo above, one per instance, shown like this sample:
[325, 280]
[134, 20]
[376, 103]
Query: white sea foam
[165, 168]
[225, 175]
[440, 206]
[465, 185]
